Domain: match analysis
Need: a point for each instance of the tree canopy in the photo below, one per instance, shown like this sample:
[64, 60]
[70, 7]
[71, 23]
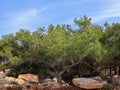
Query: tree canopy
[58, 50]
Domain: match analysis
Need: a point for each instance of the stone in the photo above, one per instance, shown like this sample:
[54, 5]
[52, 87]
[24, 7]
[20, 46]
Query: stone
[2, 75]
[55, 85]
[55, 80]
[29, 77]
[98, 78]
[48, 83]
[87, 83]
[47, 80]
[7, 71]
[116, 80]
[117, 88]
[24, 83]
[10, 79]
[65, 85]
[20, 81]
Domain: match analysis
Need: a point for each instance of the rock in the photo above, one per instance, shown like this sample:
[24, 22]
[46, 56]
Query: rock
[29, 77]
[47, 80]
[117, 88]
[98, 78]
[27, 80]
[87, 83]
[65, 85]
[44, 85]
[104, 82]
[115, 76]
[48, 83]
[55, 85]
[55, 80]
[10, 79]
[20, 81]
[7, 71]
[2, 75]
[24, 83]
[116, 80]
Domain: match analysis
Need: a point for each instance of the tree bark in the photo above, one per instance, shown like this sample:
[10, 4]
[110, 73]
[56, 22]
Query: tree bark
[119, 70]
[70, 66]
[115, 70]
[110, 71]
[58, 74]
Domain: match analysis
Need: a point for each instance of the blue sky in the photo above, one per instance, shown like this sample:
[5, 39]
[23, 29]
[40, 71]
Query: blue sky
[32, 14]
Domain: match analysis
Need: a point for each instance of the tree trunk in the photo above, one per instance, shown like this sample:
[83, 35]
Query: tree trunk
[110, 71]
[59, 77]
[58, 74]
[115, 70]
[119, 70]
[70, 66]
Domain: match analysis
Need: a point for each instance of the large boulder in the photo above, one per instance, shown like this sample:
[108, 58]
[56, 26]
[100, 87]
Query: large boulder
[27, 80]
[98, 78]
[87, 83]
[28, 77]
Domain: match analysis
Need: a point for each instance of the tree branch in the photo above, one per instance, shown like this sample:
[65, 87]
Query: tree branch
[70, 66]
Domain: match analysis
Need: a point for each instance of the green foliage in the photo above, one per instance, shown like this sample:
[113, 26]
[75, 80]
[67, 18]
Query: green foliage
[83, 22]
[16, 60]
[2, 67]
[111, 41]
[49, 52]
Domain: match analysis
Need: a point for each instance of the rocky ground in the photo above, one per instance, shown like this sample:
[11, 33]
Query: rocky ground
[31, 82]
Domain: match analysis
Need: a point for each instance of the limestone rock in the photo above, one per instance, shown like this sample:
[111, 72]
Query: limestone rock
[116, 80]
[47, 80]
[55, 80]
[87, 83]
[20, 81]
[98, 78]
[10, 79]
[2, 75]
[29, 77]
[48, 83]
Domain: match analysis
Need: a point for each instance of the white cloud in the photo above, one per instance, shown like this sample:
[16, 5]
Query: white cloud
[42, 9]
[111, 10]
[78, 2]
[27, 16]
[23, 19]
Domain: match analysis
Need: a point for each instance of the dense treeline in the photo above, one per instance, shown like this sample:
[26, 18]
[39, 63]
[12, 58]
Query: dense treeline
[62, 51]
